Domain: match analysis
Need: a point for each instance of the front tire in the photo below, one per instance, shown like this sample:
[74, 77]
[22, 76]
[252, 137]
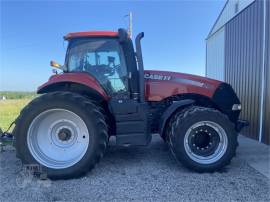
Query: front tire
[202, 139]
[65, 133]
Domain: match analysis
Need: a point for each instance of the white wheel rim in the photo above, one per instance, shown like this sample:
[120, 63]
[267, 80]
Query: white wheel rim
[220, 149]
[58, 138]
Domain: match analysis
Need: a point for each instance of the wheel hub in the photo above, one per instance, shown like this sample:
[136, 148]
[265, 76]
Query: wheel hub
[204, 140]
[64, 134]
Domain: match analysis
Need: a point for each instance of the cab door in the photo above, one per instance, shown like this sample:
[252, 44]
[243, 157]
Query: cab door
[130, 114]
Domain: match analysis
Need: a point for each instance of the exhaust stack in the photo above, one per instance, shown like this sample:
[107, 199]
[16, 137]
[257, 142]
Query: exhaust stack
[140, 64]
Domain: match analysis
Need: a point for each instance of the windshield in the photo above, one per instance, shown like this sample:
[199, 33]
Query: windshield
[102, 58]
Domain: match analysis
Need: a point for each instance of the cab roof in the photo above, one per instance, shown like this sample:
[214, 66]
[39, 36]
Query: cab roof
[90, 34]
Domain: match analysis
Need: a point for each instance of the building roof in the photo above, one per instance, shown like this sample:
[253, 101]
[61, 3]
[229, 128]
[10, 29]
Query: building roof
[90, 34]
[231, 9]
[214, 25]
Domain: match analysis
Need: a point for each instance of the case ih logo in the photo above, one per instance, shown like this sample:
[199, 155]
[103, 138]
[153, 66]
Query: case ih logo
[176, 79]
[157, 77]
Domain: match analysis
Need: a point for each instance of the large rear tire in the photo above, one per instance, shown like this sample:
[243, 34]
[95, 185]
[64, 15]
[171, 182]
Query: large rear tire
[64, 133]
[202, 139]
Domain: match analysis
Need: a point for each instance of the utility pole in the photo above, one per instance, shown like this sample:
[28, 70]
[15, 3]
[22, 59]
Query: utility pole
[130, 25]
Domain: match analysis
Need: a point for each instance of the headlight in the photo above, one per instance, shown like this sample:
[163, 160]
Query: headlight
[236, 107]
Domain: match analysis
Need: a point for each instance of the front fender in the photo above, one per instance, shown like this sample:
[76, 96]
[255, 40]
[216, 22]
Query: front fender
[78, 78]
[169, 112]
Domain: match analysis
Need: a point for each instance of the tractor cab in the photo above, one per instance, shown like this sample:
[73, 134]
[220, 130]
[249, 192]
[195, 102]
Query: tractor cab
[109, 57]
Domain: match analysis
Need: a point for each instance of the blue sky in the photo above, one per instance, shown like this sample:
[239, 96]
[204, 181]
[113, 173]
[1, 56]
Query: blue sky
[32, 34]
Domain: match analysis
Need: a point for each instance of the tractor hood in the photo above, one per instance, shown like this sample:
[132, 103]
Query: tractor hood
[163, 84]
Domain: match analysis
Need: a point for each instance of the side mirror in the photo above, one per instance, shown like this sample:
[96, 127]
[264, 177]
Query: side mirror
[123, 35]
[57, 65]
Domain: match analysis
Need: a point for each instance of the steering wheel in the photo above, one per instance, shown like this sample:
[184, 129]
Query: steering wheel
[107, 70]
[115, 69]
[100, 70]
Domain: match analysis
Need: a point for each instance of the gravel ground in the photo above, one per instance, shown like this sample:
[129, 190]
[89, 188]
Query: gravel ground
[137, 174]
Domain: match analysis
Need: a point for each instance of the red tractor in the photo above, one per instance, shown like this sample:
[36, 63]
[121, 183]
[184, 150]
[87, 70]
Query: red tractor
[104, 91]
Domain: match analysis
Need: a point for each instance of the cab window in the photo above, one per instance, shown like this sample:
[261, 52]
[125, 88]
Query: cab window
[102, 58]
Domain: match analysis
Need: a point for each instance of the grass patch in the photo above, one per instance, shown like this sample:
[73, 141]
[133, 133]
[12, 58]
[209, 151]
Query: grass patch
[13, 95]
[9, 110]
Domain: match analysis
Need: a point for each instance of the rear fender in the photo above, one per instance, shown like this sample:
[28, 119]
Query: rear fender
[171, 110]
[80, 81]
